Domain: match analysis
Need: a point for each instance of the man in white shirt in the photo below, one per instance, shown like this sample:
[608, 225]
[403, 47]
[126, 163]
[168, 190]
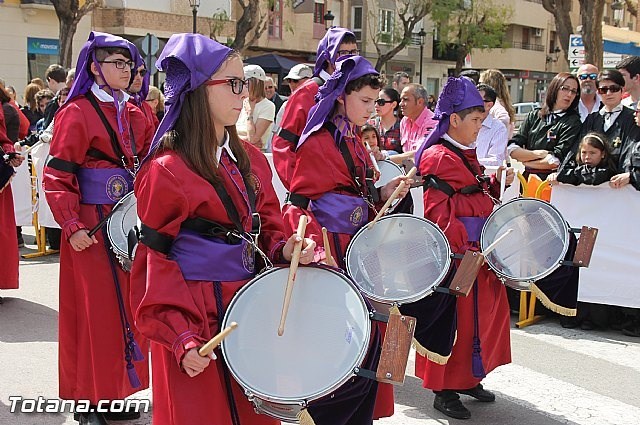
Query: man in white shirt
[491, 144]
[630, 70]
[589, 97]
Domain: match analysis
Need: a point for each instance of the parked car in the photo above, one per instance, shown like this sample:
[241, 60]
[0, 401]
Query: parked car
[522, 110]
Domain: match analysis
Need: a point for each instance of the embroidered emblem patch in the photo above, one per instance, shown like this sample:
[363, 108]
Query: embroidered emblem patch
[256, 182]
[356, 216]
[248, 257]
[117, 187]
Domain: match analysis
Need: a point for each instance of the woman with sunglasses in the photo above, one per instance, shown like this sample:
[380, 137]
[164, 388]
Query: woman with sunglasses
[387, 121]
[199, 180]
[546, 136]
[615, 121]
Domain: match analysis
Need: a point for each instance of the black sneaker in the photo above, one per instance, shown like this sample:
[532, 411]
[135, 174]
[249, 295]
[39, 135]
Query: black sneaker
[479, 393]
[20, 242]
[448, 402]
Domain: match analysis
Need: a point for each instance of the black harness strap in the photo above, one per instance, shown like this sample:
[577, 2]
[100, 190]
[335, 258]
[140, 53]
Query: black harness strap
[297, 200]
[98, 154]
[62, 165]
[289, 136]
[154, 239]
[435, 182]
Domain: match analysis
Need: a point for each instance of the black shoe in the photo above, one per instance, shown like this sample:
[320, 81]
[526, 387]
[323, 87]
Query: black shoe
[92, 418]
[448, 402]
[20, 243]
[569, 322]
[587, 325]
[632, 330]
[479, 394]
[122, 416]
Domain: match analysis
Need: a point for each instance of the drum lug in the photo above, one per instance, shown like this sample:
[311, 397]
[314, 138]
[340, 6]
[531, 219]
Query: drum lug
[250, 396]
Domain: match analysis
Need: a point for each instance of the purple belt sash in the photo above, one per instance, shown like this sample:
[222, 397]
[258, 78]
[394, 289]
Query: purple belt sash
[473, 225]
[212, 259]
[103, 186]
[340, 213]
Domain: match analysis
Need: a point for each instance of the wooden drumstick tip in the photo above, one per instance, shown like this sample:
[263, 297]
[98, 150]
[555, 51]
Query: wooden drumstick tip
[496, 242]
[211, 345]
[327, 248]
[393, 197]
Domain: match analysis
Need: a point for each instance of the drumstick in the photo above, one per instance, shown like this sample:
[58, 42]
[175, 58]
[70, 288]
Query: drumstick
[373, 159]
[104, 220]
[503, 179]
[206, 349]
[293, 268]
[327, 248]
[392, 198]
[495, 243]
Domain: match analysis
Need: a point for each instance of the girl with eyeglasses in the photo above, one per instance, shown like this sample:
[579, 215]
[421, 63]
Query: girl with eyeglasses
[546, 136]
[615, 121]
[387, 121]
[201, 179]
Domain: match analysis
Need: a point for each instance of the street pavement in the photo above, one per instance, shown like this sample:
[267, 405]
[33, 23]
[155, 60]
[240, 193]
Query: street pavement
[558, 376]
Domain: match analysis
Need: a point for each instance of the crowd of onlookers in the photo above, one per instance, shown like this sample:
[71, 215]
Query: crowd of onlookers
[585, 132]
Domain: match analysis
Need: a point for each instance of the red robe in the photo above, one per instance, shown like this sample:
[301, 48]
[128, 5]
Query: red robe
[493, 308]
[177, 315]
[91, 346]
[293, 120]
[9, 259]
[320, 168]
[148, 113]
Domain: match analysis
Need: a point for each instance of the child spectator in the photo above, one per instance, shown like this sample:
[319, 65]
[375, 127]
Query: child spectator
[592, 165]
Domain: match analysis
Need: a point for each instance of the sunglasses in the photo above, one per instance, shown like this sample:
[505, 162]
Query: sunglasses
[568, 90]
[382, 102]
[237, 84]
[592, 76]
[142, 72]
[607, 89]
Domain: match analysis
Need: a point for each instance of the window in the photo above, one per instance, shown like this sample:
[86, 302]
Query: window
[275, 20]
[356, 24]
[385, 25]
[318, 13]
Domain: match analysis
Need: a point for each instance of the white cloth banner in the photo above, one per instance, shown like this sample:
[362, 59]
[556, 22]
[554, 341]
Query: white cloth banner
[45, 216]
[21, 188]
[613, 275]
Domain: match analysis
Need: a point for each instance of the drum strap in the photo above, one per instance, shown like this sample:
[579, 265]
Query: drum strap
[154, 239]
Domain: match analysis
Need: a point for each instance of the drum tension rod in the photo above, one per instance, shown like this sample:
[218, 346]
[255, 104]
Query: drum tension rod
[364, 373]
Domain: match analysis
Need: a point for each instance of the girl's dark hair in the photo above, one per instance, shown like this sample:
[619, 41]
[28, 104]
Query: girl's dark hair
[368, 127]
[553, 90]
[393, 95]
[194, 138]
[372, 80]
[598, 141]
[611, 75]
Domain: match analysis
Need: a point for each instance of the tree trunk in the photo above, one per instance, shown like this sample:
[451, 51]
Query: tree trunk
[245, 23]
[560, 10]
[461, 54]
[67, 31]
[384, 58]
[591, 12]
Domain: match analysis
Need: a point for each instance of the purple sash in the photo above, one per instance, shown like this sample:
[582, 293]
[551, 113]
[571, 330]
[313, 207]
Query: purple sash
[212, 259]
[340, 213]
[103, 186]
[473, 225]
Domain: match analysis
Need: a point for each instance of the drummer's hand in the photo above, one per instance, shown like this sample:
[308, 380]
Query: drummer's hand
[193, 363]
[509, 177]
[16, 161]
[81, 240]
[552, 179]
[619, 180]
[387, 190]
[307, 253]
[378, 154]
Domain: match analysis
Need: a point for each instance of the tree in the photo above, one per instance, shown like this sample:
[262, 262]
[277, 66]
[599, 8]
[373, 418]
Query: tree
[470, 25]
[251, 23]
[390, 43]
[69, 14]
[591, 12]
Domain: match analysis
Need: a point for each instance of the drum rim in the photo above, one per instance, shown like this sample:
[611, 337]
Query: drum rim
[539, 276]
[416, 297]
[398, 167]
[110, 232]
[321, 393]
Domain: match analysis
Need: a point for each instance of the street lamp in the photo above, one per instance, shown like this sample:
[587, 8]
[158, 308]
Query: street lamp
[618, 12]
[549, 59]
[422, 34]
[328, 19]
[195, 4]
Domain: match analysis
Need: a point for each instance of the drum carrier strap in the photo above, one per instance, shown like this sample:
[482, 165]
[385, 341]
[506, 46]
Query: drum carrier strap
[372, 196]
[435, 182]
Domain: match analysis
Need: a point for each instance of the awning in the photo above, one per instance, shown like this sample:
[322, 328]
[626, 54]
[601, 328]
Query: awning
[620, 40]
[273, 64]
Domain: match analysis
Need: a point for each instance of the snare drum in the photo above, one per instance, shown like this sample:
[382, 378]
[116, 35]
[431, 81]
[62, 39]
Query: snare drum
[118, 226]
[326, 338]
[388, 171]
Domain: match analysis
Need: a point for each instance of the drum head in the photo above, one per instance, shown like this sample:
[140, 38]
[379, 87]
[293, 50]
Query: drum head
[401, 259]
[119, 224]
[388, 171]
[536, 246]
[326, 335]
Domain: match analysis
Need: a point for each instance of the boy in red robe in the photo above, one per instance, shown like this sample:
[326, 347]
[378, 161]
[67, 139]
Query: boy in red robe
[98, 140]
[447, 159]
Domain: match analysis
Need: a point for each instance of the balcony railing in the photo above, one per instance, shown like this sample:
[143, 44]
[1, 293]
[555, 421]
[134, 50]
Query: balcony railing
[527, 46]
[47, 2]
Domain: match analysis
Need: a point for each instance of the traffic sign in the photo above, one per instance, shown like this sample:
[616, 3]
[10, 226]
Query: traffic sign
[150, 44]
[576, 54]
[575, 40]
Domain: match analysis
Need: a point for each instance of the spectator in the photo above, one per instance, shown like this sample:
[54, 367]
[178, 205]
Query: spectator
[30, 109]
[630, 70]
[271, 93]
[491, 143]
[56, 77]
[155, 99]
[503, 109]
[547, 135]
[431, 102]
[592, 164]
[471, 74]
[417, 121]
[39, 82]
[43, 98]
[589, 98]
[386, 121]
[257, 116]
[400, 81]
[71, 76]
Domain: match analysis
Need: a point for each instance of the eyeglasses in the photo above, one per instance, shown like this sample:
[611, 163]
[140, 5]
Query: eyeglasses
[382, 102]
[120, 64]
[607, 89]
[348, 52]
[592, 76]
[569, 90]
[142, 72]
[268, 87]
[237, 84]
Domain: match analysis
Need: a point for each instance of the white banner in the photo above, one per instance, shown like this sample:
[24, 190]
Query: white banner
[21, 188]
[613, 276]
